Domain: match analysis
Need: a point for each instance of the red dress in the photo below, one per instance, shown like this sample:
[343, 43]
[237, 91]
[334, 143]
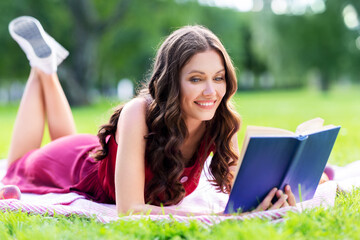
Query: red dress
[65, 165]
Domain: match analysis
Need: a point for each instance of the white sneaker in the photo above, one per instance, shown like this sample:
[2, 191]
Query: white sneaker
[40, 48]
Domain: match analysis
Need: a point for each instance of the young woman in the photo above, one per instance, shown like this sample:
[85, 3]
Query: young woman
[152, 151]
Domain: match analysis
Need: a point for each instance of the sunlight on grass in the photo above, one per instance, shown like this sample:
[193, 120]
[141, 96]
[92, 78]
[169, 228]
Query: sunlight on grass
[288, 109]
[274, 108]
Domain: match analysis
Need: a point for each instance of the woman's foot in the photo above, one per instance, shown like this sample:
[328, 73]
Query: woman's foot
[40, 48]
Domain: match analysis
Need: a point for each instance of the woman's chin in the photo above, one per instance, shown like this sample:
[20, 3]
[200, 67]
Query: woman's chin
[208, 118]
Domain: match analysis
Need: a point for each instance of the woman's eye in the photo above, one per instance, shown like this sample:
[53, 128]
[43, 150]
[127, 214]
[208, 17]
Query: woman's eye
[195, 79]
[219, 79]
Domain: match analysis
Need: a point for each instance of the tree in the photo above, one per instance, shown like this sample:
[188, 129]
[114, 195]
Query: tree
[109, 41]
[113, 40]
[79, 26]
[351, 63]
[88, 29]
[293, 45]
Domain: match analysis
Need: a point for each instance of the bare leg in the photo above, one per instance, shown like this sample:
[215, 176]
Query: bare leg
[30, 120]
[43, 97]
[59, 116]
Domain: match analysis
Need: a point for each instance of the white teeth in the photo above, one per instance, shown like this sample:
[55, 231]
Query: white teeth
[206, 104]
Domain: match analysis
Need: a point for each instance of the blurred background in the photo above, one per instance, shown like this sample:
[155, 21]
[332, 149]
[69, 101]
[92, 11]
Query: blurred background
[275, 44]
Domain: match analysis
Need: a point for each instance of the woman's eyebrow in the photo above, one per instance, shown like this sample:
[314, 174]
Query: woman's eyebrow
[195, 71]
[201, 72]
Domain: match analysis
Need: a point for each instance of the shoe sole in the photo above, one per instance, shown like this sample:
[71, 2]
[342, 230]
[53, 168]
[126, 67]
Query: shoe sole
[30, 32]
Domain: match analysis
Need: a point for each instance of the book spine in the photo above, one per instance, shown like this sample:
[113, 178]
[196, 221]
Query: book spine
[292, 168]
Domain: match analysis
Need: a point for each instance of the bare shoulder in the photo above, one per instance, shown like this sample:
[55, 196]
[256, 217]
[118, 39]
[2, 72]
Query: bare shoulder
[135, 106]
[133, 118]
[134, 111]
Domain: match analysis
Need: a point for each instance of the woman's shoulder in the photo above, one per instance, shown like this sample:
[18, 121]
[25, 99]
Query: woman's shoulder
[134, 112]
[136, 106]
[132, 119]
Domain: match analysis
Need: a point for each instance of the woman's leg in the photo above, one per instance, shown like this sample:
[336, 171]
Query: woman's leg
[58, 113]
[30, 120]
[43, 96]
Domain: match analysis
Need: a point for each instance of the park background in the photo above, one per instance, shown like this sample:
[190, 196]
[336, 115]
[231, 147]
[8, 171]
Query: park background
[298, 47]
[276, 44]
[295, 60]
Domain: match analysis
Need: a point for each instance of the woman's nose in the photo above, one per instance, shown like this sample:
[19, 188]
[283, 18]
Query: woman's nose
[209, 89]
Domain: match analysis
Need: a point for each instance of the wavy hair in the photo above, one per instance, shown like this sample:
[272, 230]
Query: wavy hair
[165, 122]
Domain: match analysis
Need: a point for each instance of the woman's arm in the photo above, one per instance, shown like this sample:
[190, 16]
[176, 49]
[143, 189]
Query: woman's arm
[130, 158]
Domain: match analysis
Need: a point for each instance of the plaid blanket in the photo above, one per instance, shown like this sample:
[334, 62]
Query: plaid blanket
[204, 199]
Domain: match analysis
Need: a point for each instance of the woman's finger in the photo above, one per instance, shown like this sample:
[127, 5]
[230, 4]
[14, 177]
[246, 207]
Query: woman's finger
[281, 201]
[286, 204]
[291, 200]
[266, 203]
[280, 193]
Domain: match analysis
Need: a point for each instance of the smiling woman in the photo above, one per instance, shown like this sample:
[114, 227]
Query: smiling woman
[152, 151]
[202, 87]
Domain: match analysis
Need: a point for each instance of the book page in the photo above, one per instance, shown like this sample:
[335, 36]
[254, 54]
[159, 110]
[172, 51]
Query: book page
[253, 131]
[312, 126]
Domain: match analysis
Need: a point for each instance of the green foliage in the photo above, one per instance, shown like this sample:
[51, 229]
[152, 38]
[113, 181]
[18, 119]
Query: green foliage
[293, 45]
[128, 50]
[106, 46]
[13, 64]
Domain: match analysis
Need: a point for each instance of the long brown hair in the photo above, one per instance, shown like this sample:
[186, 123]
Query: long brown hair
[167, 129]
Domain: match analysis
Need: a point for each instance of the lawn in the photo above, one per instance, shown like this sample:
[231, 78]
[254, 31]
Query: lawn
[284, 109]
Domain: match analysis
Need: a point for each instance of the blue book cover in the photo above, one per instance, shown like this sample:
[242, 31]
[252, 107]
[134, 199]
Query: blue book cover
[275, 157]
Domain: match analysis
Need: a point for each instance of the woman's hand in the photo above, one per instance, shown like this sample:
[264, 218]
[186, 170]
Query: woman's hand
[285, 199]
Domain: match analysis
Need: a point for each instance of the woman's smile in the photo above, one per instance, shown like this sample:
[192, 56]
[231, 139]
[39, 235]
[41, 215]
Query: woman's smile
[206, 104]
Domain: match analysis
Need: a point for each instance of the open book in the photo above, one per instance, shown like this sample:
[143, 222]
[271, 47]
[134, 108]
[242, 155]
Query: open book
[272, 157]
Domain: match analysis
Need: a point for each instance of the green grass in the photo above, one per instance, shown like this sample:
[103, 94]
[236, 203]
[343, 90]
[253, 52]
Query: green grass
[277, 109]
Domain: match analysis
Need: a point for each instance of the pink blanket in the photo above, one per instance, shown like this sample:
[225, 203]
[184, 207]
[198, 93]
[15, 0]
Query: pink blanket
[204, 199]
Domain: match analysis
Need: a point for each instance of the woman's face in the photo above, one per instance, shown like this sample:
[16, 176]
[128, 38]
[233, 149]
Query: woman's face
[202, 86]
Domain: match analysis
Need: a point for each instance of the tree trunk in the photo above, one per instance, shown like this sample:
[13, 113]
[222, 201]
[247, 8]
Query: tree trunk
[81, 76]
[324, 82]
